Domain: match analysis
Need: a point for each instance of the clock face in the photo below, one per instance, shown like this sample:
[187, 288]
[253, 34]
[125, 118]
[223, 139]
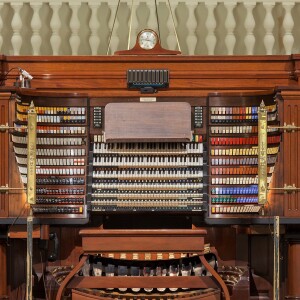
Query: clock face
[147, 39]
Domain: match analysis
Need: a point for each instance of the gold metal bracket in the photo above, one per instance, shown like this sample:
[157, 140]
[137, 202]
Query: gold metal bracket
[6, 188]
[287, 189]
[286, 127]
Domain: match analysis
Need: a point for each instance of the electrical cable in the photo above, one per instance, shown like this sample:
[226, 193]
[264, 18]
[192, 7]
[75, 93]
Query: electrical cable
[130, 25]
[6, 74]
[111, 32]
[174, 27]
[157, 20]
[14, 221]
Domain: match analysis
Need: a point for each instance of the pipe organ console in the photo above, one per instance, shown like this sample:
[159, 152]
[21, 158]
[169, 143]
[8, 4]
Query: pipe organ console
[209, 168]
[141, 180]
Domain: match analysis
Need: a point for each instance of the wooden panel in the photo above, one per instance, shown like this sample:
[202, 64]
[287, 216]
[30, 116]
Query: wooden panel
[105, 76]
[96, 240]
[293, 287]
[292, 154]
[296, 58]
[69, 246]
[20, 232]
[4, 105]
[77, 295]
[3, 264]
[17, 268]
[147, 121]
[224, 240]
[140, 282]
[262, 255]
[204, 295]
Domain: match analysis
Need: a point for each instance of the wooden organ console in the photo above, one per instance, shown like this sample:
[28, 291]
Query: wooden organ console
[141, 178]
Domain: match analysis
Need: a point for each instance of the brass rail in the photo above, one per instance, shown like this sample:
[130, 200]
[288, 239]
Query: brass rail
[287, 128]
[286, 188]
[4, 128]
[6, 188]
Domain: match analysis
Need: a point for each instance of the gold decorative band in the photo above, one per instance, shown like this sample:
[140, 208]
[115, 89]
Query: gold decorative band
[262, 154]
[31, 155]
